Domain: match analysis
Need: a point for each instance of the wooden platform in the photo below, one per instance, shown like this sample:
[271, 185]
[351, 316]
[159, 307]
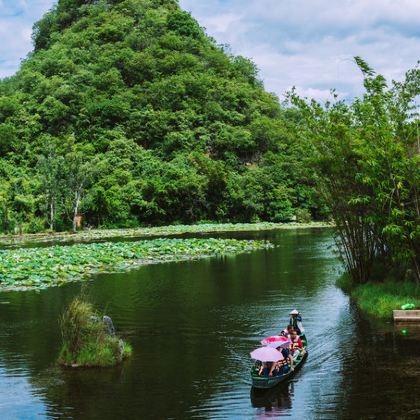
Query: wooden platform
[407, 316]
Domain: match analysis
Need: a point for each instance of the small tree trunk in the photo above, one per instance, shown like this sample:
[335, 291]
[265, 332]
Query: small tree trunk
[51, 215]
[76, 209]
[6, 226]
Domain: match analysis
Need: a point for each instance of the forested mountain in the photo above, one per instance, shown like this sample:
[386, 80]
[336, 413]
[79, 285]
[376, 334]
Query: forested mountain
[128, 113]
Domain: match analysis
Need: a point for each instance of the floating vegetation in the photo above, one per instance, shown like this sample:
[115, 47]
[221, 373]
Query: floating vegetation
[160, 231]
[56, 265]
[88, 339]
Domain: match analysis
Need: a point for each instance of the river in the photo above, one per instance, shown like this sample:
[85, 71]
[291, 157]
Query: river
[192, 325]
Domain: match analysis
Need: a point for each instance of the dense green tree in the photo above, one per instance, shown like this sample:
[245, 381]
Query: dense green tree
[165, 126]
[49, 169]
[79, 168]
[367, 159]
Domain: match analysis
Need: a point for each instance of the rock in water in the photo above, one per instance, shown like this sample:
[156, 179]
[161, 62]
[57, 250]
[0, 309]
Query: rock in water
[109, 325]
[121, 343]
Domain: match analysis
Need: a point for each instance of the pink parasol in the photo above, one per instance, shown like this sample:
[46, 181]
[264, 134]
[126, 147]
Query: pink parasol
[266, 354]
[276, 341]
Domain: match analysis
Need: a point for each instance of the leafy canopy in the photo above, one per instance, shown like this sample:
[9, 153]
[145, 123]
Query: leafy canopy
[171, 127]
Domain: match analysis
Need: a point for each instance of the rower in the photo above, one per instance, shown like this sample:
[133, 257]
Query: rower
[296, 322]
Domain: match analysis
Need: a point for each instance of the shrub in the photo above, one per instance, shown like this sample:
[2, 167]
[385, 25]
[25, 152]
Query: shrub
[86, 341]
[303, 215]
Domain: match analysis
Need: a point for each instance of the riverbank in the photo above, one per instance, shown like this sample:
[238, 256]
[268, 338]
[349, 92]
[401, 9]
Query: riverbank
[39, 268]
[159, 231]
[380, 299]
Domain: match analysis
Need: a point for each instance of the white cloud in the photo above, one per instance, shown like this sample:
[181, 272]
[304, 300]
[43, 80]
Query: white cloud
[221, 23]
[310, 44]
[16, 20]
[304, 43]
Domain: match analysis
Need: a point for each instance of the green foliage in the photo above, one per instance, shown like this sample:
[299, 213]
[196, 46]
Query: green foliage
[303, 215]
[86, 342]
[344, 282]
[75, 324]
[367, 159]
[57, 265]
[202, 227]
[128, 113]
[381, 299]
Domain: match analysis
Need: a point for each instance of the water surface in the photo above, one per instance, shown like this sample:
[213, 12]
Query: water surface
[192, 325]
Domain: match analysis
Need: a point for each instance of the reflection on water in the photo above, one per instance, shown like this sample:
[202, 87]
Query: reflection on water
[192, 325]
[274, 402]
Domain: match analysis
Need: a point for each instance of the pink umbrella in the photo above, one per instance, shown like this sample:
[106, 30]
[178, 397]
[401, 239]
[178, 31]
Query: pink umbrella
[276, 341]
[266, 354]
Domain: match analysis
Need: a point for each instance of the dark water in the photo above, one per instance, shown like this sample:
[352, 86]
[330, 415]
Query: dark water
[192, 326]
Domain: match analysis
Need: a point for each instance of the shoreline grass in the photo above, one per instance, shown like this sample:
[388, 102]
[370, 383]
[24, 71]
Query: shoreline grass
[158, 231]
[39, 268]
[380, 299]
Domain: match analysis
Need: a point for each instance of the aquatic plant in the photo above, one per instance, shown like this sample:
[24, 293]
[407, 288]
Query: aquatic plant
[86, 340]
[56, 265]
[157, 231]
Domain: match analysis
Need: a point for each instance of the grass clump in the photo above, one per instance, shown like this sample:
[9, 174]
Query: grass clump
[380, 299]
[86, 339]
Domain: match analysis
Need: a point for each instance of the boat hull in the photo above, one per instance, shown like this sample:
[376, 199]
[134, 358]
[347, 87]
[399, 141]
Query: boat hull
[272, 381]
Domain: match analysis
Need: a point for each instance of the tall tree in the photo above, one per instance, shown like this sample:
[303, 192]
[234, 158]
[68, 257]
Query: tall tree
[368, 165]
[78, 172]
[50, 168]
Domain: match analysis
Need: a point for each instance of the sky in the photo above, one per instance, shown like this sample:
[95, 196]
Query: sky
[309, 44]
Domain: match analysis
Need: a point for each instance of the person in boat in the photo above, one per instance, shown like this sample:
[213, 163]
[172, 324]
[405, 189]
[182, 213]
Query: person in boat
[296, 322]
[265, 368]
[288, 357]
[282, 366]
[296, 347]
[279, 368]
[286, 331]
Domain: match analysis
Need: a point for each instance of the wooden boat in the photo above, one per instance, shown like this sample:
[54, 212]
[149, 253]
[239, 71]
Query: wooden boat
[272, 381]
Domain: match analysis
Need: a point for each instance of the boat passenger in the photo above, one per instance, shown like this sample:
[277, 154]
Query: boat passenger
[296, 347]
[286, 331]
[288, 360]
[265, 368]
[279, 368]
[296, 322]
